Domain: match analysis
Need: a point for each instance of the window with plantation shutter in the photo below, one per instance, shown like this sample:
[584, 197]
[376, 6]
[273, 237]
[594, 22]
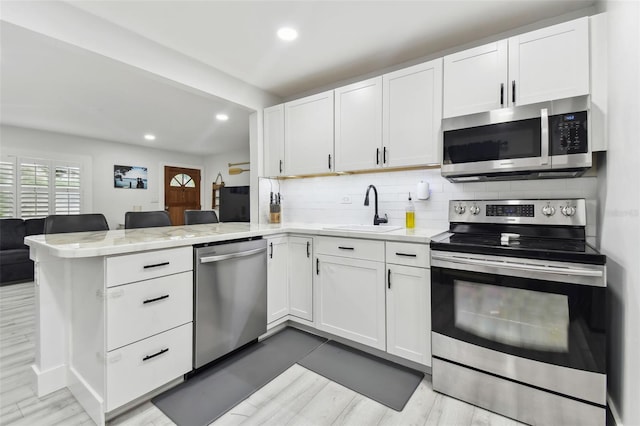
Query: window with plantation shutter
[34, 188]
[8, 187]
[67, 190]
[31, 188]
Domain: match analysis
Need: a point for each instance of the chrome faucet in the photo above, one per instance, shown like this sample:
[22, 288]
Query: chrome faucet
[376, 219]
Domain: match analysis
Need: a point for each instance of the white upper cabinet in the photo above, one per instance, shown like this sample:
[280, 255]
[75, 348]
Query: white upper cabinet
[551, 63]
[309, 135]
[412, 115]
[475, 80]
[358, 125]
[544, 65]
[274, 140]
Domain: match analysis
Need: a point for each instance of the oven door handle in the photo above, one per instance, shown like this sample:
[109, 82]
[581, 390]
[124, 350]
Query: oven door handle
[520, 266]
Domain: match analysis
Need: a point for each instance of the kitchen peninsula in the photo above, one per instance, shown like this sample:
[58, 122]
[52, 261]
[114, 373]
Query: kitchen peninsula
[91, 338]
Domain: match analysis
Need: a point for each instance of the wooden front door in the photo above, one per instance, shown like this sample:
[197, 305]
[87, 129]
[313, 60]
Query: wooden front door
[181, 192]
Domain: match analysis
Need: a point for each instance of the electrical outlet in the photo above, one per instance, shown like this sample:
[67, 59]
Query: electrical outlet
[345, 200]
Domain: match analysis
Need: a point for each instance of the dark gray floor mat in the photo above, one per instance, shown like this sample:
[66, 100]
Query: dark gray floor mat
[212, 392]
[378, 379]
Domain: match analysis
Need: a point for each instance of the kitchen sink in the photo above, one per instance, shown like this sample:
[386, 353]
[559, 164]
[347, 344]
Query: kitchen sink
[364, 228]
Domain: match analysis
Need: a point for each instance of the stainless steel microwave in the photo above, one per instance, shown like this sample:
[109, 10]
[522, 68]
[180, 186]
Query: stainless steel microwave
[548, 140]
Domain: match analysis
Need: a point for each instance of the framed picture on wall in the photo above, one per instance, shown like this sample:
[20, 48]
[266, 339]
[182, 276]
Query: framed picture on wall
[129, 177]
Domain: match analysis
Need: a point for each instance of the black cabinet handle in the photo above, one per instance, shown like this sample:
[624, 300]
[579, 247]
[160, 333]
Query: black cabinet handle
[406, 254]
[377, 155]
[148, 357]
[271, 250]
[384, 155]
[345, 248]
[280, 166]
[329, 161]
[156, 265]
[308, 247]
[513, 91]
[501, 96]
[166, 296]
[317, 266]
[388, 278]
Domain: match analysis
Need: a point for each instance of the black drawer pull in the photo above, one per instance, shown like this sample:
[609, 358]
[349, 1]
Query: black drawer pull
[166, 296]
[345, 248]
[156, 265]
[406, 254]
[148, 357]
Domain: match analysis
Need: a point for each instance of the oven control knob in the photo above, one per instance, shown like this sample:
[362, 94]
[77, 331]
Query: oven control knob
[568, 210]
[474, 209]
[548, 210]
[459, 208]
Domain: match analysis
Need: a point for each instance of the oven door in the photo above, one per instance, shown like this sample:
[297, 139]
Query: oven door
[536, 322]
[513, 146]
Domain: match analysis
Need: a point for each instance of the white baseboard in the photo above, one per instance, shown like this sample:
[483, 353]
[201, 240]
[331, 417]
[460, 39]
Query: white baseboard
[614, 411]
[50, 380]
[87, 397]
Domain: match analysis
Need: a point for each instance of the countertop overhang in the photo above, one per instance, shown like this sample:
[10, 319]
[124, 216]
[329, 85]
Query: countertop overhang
[105, 243]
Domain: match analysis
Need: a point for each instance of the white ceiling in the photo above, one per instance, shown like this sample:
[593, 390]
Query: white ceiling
[338, 39]
[50, 85]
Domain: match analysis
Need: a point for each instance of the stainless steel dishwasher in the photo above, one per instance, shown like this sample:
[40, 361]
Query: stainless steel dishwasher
[230, 297]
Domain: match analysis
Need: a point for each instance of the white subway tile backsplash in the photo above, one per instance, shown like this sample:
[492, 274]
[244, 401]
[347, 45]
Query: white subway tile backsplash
[319, 199]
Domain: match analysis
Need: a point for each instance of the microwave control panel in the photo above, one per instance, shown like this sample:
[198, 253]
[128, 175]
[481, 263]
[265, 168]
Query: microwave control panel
[568, 133]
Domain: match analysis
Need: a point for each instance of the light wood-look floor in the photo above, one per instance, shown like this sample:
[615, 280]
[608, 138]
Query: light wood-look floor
[297, 397]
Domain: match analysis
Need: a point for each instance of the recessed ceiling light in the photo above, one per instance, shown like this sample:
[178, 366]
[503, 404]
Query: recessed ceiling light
[287, 33]
[222, 117]
[150, 137]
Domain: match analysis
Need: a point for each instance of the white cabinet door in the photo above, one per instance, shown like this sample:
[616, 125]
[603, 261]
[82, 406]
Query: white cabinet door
[308, 135]
[301, 277]
[409, 313]
[350, 299]
[277, 278]
[274, 140]
[475, 80]
[358, 125]
[412, 115]
[551, 63]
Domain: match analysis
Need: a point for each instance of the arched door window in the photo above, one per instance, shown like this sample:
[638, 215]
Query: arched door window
[182, 180]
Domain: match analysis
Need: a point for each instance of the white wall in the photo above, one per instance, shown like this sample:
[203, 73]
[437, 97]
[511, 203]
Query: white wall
[619, 202]
[106, 199]
[320, 199]
[220, 163]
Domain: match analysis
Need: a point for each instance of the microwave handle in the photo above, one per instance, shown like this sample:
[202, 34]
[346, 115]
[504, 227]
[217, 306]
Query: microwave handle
[544, 137]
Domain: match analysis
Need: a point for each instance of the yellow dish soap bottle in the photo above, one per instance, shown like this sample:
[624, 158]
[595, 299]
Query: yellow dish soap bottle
[410, 215]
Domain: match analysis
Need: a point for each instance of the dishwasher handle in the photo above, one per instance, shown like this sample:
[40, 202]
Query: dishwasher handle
[221, 257]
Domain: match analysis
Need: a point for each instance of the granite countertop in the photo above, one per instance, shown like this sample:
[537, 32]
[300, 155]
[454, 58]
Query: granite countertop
[103, 243]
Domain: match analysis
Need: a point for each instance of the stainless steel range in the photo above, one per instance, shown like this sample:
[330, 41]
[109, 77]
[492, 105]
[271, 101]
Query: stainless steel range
[518, 311]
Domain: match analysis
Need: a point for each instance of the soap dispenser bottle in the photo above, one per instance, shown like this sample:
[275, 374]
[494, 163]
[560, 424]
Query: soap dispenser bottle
[410, 214]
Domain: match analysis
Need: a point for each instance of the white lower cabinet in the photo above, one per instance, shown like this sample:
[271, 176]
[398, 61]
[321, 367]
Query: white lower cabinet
[350, 299]
[409, 313]
[300, 277]
[277, 278]
[149, 328]
[141, 367]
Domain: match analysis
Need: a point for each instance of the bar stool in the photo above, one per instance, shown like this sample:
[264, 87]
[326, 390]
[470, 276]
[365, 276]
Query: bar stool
[64, 223]
[153, 219]
[195, 217]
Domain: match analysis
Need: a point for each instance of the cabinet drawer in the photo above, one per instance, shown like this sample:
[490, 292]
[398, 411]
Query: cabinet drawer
[142, 266]
[350, 247]
[408, 254]
[136, 369]
[136, 311]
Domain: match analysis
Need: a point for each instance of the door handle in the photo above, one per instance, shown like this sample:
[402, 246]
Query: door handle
[156, 265]
[210, 259]
[388, 278]
[308, 246]
[317, 266]
[384, 155]
[513, 92]
[271, 251]
[377, 155]
[160, 352]
[329, 161]
[502, 94]
[155, 299]
[280, 166]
